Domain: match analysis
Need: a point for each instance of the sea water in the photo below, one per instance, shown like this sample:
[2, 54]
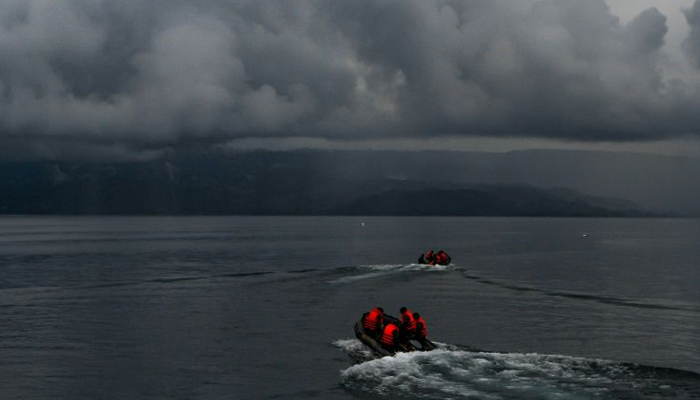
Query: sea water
[263, 307]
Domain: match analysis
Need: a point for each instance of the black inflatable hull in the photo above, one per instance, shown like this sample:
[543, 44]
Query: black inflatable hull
[362, 336]
[368, 341]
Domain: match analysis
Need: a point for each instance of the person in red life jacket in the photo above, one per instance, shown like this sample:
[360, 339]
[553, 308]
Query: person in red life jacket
[441, 258]
[408, 323]
[373, 322]
[428, 259]
[390, 337]
[421, 331]
[421, 327]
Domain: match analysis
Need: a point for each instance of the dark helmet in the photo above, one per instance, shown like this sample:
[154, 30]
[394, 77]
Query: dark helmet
[403, 310]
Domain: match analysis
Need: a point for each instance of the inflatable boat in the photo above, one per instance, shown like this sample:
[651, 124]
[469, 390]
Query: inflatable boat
[376, 347]
[423, 261]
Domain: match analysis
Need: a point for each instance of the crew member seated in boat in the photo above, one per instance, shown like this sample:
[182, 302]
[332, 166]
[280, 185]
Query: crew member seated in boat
[427, 258]
[408, 323]
[422, 333]
[421, 329]
[442, 258]
[373, 322]
[390, 338]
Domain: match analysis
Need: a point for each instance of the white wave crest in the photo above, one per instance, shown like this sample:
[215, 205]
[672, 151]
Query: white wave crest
[455, 374]
[350, 345]
[355, 349]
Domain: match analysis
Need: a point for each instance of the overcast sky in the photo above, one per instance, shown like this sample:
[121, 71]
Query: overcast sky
[132, 78]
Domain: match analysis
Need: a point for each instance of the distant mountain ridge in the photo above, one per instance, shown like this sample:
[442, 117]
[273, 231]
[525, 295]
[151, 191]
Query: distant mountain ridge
[484, 200]
[290, 183]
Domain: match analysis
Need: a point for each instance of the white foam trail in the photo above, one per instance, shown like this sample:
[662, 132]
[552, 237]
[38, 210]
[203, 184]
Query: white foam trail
[350, 345]
[355, 349]
[388, 269]
[407, 267]
[455, 374]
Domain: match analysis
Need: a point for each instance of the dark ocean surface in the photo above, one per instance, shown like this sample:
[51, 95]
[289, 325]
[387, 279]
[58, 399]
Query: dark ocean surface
[263, 307]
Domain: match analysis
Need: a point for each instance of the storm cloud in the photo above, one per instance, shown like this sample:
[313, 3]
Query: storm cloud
[161, 73]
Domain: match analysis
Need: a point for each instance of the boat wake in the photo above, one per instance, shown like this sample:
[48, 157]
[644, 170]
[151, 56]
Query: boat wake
[374, 271]
[453, 373]
[618, 301]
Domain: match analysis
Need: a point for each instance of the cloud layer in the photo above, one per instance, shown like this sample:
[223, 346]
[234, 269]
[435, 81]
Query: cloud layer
[169, 72]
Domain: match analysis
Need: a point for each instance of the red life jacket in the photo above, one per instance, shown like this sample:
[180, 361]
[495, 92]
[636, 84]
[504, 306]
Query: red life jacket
[409, 321]
[440, 258]
[424, 328]
[373, 320]
[388, 335]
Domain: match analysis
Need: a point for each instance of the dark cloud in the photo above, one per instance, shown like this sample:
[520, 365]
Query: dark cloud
[160, 73]
[692, 43]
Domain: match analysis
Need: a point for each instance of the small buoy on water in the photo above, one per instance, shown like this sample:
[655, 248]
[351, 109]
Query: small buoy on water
[362, 223]
[584, 235]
